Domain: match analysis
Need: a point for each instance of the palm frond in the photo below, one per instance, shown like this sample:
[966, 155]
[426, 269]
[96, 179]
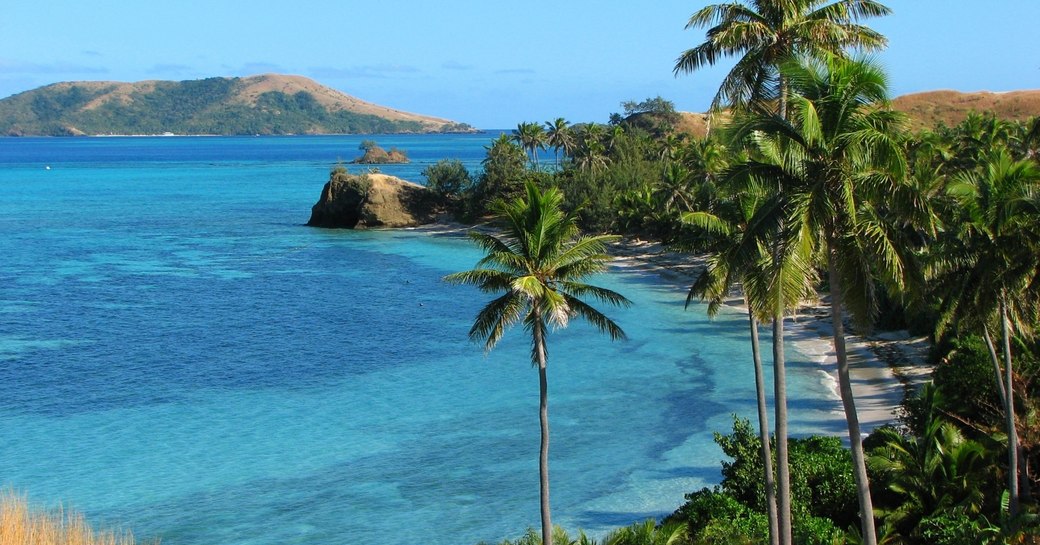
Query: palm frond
[497, 316]
[596, 318]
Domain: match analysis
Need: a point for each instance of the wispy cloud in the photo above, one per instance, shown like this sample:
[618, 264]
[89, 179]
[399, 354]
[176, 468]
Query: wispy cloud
[19, 67]
[381, 71]
[453, 65]
[520, 71]
[91, 53]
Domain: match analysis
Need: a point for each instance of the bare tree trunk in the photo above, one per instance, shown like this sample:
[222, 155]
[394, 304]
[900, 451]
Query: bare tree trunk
[1009, 412]
[996, 365]
[783, 472]
[859, 466]
[543, 416]
[763, 429]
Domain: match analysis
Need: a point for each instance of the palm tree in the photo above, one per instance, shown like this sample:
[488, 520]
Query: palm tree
[558, 136]
[770, 286]
[714, 284]
[989, 271]
[675, 187]
[539, 262]
[840, 166]
[589, 153]
[766, 33]
[531, 137]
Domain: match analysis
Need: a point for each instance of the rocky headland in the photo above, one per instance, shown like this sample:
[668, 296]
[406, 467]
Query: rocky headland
[361, 201]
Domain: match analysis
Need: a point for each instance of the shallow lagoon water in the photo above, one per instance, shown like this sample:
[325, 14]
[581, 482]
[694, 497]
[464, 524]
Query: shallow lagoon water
[181, 357]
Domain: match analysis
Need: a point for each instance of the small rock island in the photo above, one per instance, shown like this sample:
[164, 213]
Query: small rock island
[375, 155]
[360, 201]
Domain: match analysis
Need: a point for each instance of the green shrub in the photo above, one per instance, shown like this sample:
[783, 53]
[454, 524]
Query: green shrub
[359, 182]
[957, 529]
[714, 516]
[822, 484]
[447, 178]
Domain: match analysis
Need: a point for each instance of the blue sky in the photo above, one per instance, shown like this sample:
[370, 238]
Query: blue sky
[488, 63]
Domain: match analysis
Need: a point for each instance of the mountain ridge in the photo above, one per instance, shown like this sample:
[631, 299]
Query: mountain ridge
[261, 104]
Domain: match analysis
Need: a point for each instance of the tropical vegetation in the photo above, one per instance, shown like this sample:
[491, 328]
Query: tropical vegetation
[810, 187]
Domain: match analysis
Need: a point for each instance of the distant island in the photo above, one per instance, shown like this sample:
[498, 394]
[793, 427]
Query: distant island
[268, 104]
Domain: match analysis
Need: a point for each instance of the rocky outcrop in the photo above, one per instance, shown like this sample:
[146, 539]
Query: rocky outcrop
[360, 201]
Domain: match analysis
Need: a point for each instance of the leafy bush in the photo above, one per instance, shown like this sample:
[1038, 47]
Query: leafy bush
[447, 178]
[821, 474]
[817, 531]
[957, 529]
[714, 516]
[967, 383]
[359, 182]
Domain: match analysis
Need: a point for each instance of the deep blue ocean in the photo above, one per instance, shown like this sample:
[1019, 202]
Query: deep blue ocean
[181, 357]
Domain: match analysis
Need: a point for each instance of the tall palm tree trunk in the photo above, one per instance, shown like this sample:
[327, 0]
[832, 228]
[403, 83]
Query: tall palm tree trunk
[859, 467]
[543, 417]
[783, 471]
[763, 428]
[1009, 411]
[1001, 390]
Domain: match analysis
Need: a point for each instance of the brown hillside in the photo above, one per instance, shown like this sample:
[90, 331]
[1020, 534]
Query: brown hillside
[930, 108]
[692, 123]
[927, 109]
[117, 91]
[330, 98]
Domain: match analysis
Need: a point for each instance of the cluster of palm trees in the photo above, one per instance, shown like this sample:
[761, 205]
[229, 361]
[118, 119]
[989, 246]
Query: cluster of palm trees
[825, 185]
[809, 178]
[585, 145]
[809, 119]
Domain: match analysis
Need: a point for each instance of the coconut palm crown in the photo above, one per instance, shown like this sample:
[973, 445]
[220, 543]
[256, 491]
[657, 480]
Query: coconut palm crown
[763, 34]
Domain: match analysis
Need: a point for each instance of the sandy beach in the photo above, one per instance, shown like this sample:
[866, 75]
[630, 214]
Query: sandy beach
[883, 366]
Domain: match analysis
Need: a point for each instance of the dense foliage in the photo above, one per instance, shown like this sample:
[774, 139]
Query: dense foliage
[942, 476]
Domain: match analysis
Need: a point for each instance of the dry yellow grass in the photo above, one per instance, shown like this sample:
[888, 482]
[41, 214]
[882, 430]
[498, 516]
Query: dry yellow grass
[22, 525]
[927, 110]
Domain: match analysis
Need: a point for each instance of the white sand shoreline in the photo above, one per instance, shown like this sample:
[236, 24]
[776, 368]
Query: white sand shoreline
[882, 366]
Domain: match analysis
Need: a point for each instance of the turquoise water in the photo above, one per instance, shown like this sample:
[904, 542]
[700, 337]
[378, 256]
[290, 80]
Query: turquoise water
[181, 357]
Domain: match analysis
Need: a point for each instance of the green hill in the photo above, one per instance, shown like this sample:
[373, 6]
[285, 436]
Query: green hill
[267, 104]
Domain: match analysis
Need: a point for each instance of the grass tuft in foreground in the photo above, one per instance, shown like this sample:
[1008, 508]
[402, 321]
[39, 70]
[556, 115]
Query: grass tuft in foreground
[22, 525]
